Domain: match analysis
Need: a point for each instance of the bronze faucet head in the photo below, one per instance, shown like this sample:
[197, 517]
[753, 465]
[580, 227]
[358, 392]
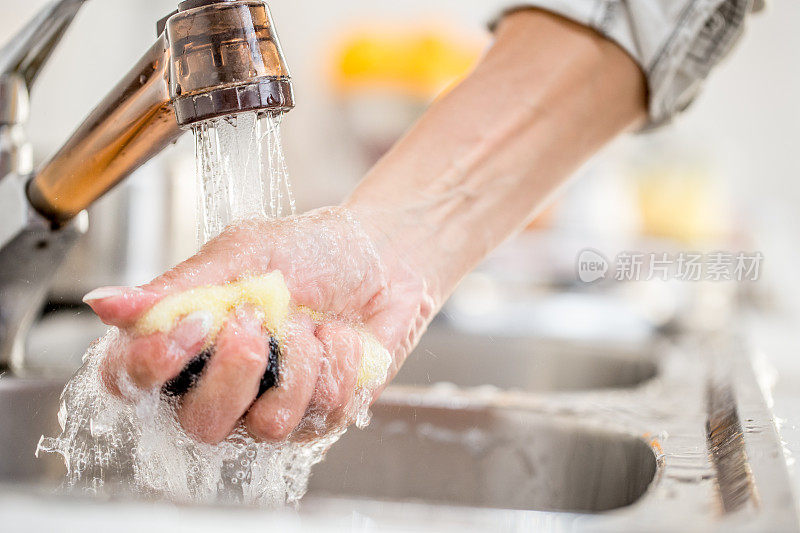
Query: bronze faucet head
[225, 58]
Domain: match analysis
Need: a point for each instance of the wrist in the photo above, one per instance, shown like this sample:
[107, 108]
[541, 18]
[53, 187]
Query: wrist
[402, 238]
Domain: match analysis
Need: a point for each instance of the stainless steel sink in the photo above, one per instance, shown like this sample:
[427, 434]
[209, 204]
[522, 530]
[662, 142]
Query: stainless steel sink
[446, 354]
[486, 458]
[568, 437]
[473, 457]
[28, 409]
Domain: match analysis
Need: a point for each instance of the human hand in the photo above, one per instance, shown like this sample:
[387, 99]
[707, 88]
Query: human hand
[334, 262]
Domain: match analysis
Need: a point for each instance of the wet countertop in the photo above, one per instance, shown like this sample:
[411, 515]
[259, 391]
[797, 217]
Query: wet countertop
[776, 349]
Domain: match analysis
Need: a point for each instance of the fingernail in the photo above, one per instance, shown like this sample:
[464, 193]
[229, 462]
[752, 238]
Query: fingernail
[102, 293]
[194, 328]
[203, 319]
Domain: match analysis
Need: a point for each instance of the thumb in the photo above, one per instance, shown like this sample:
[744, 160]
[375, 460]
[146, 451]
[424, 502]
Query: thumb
[120, 306]
[239, 249]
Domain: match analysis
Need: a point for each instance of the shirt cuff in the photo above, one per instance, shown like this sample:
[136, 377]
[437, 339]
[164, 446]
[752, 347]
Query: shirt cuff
[675, 42]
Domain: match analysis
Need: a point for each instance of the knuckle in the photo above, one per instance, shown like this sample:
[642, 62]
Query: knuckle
[141, 367]
[195, 426]
[148, 363]
[325, 399]
[328, 396]
[272, 427]
[248, 360]
[326, 391]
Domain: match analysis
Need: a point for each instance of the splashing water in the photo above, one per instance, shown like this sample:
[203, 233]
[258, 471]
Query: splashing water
[114, 446]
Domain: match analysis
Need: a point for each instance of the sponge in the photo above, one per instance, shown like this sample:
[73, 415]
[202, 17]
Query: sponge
[269, 295]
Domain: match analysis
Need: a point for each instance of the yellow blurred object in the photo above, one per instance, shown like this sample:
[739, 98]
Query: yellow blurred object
[419, 63]
[683, 207]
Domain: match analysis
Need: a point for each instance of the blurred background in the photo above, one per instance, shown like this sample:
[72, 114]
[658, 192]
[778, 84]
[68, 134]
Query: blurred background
[726, 175]
[365, 70]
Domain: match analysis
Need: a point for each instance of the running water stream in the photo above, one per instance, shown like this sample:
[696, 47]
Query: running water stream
[114, 446]
[241, 171]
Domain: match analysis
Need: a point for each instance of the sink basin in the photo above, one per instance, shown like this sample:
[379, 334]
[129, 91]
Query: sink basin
[524, 363]
[472, 457]
[28, 407]
[485, 458]
[28, 410]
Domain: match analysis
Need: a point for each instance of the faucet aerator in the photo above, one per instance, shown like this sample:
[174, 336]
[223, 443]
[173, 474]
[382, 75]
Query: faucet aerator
[221, 65]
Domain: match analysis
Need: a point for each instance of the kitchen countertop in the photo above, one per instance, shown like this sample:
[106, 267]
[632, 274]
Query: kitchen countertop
[776, 348]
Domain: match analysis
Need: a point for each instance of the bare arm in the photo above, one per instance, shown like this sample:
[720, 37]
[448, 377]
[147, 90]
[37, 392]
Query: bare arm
[547, 96]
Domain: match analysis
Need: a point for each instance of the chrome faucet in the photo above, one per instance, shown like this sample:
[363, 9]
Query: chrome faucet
[211, 58]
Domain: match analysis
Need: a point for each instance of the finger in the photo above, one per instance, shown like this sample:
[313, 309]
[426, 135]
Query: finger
[111, 365]
[120, 306]
[338, 369]
[279, 410]
[336, 383]
[230, 380]
[238, 249]
[152, 360]
[400, 326]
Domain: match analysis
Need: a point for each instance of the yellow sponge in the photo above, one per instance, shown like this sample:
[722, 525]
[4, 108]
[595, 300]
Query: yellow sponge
[375, 362]
[270, 297]
[267, 293]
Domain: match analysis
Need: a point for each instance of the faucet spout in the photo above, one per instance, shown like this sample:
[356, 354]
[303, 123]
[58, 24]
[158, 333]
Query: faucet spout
[212, 59]
[130, 126]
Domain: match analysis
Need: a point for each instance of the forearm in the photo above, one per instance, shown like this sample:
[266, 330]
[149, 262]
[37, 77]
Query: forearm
[547, 96]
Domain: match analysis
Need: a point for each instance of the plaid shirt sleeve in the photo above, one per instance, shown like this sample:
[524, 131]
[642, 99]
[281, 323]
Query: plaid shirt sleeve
[675, 42]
